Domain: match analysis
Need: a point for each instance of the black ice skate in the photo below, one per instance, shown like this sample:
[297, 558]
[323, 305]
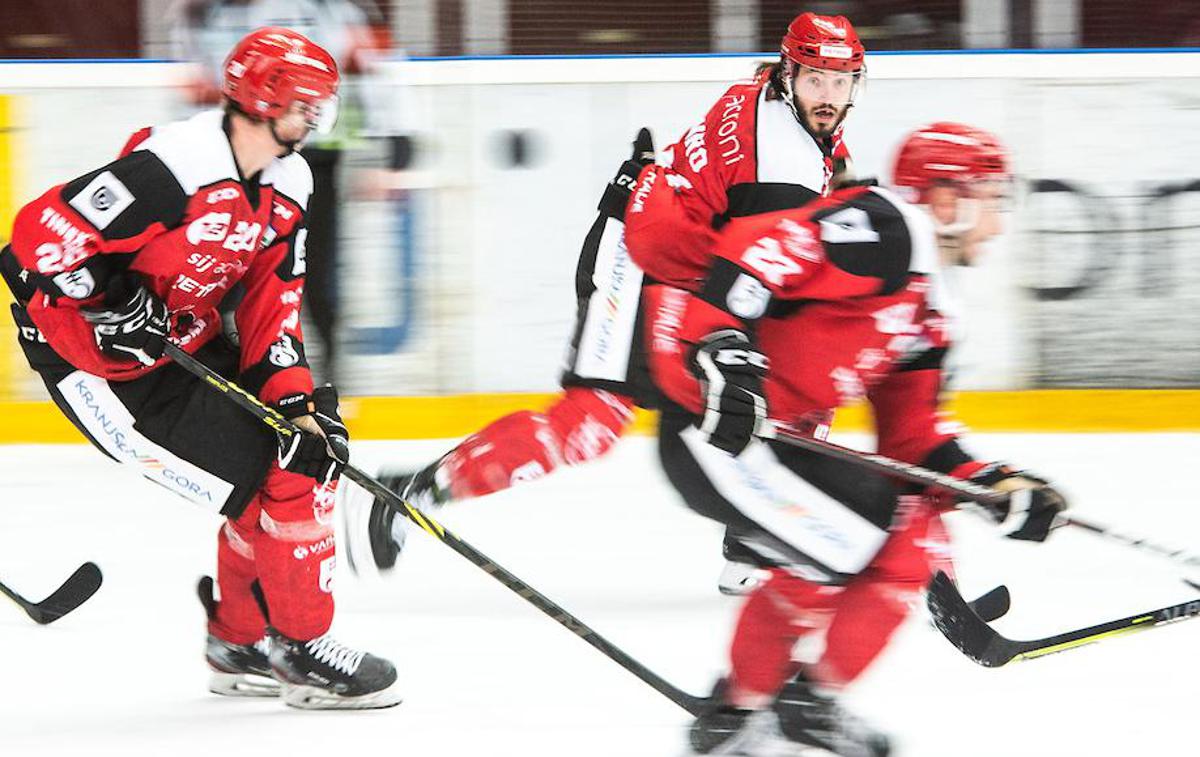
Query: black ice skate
[323, 674]
[722, 729]
[813, 719]
[238, 670]
[375, 533]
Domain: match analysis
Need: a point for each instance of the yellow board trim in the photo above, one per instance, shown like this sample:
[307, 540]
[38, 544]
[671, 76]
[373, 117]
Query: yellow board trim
[10, 191]
[1061, 410]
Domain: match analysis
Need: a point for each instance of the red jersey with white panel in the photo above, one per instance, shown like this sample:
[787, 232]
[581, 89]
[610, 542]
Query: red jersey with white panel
[174, 210]
[749, 155]
[845, 300]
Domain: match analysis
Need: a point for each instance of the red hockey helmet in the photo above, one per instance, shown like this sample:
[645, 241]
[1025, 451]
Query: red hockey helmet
[823, 42]
[951, 153]
[272, 67]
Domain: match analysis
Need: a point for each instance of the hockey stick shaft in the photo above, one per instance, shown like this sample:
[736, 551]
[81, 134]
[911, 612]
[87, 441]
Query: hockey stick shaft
[77, 589]
[281, 425]
[882, 464]
[982, 494]
[1183, 557]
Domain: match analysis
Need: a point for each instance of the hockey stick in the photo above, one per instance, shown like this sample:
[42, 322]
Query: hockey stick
[980, 642]
[76, 590]
[984, 495]
[282, 426]
[1191, 560]
[973, 492]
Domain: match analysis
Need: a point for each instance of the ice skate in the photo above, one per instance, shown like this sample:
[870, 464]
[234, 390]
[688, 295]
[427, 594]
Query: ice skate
[722, 729]
[238, 670]
[324, 674]
[375, 533]
[817, 725]
[738, 579]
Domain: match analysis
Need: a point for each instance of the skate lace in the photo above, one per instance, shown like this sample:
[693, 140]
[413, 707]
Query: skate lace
[335, 654]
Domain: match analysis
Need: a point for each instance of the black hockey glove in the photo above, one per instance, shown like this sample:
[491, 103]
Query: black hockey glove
[617, 193]
[133, 323]
[1033, 504]
[731, 371]
[309, 454]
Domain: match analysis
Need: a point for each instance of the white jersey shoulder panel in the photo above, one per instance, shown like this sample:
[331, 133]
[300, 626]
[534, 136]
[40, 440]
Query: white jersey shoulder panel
[291, 176]
[786, 152]
[196, 151]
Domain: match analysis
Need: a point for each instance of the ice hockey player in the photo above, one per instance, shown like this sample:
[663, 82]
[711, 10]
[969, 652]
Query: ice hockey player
[106, 267]
[767, 144]
[800, 312]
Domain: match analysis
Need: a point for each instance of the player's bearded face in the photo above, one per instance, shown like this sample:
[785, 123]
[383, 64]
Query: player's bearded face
[823, 97]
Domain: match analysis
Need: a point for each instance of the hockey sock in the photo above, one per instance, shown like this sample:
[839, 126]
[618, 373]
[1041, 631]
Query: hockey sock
[877, 601]
[237, 618]
[294, 553]
[777, 614]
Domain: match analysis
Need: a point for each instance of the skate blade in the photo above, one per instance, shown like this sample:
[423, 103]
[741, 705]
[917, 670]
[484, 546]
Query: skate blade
[243, 685]
[314, 698]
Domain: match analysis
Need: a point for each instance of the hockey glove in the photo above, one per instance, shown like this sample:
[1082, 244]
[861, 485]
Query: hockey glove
[731, 372]
[322, 448]
[135, 328]
[1033, 504]
[617, 193]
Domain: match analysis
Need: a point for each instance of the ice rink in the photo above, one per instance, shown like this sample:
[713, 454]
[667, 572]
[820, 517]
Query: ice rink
[483, 673]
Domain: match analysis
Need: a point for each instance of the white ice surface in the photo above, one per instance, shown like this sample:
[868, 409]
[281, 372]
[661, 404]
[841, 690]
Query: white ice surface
[484, 673]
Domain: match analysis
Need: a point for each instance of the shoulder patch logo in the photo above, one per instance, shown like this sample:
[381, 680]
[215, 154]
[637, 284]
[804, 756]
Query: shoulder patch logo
[102, 200]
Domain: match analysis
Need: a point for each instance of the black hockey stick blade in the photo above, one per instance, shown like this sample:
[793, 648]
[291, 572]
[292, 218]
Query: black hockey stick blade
[76, 590]
[981, 643]
[992, 605]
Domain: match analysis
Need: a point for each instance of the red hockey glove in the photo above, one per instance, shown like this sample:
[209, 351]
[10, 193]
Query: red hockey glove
[731, 372]
[322, 448]
[1033, 504]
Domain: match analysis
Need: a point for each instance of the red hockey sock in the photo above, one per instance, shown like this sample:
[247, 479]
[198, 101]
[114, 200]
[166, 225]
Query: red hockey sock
[774, 617]
[294, 553]
[581, 425]
[238, 618]
[879, 599]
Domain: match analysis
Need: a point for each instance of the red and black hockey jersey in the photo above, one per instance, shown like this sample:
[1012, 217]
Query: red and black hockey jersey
[175, 211]
[844, 298]
[749, 155]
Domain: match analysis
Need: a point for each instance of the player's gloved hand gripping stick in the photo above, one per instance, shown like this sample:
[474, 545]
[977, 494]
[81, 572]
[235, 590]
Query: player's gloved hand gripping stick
[287, 430]
[953, 615]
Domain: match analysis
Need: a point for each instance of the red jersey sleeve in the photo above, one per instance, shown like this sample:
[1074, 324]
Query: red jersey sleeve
[669, 222]
[273, 364]
[73, 238]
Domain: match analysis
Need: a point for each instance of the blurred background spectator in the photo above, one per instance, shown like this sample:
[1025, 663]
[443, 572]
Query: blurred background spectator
[129, 28]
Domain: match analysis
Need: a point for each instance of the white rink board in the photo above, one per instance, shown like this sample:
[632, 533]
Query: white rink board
[485, 674]
[487, 302]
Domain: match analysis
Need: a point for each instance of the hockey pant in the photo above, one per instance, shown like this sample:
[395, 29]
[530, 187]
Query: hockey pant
[176, 431]
[853, 556]
[581, 425]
